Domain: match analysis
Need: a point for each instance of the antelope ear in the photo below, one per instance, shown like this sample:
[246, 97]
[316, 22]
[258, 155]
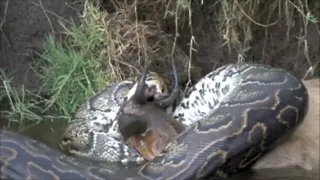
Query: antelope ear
[131, 125]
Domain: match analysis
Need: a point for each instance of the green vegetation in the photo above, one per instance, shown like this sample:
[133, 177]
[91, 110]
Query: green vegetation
[23, 105]
[71, 70]
[105, 48]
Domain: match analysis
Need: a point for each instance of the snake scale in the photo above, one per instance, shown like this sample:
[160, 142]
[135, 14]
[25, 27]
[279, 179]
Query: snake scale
[93, 133]
[234, 115]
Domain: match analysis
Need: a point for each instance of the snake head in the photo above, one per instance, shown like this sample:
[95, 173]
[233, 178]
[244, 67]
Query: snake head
[153, 87]
[158, 83]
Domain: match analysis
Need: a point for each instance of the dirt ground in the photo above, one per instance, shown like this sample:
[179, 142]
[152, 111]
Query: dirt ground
[26, 22]
[277, 50]
[25, 26]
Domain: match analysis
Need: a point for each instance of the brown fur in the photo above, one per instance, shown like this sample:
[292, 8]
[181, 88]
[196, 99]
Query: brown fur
[161, 129]
[143, 122]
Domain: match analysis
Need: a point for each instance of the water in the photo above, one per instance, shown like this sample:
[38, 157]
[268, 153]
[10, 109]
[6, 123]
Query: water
[46, 132]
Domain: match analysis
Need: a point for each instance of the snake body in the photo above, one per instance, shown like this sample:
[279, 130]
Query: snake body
[93, 133]
[234, 116]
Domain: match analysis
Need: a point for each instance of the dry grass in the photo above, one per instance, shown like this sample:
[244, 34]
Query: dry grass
[104, 48]
[112, 42]
[126, 40]
[241, 23]
[238, 23]
[239, 20]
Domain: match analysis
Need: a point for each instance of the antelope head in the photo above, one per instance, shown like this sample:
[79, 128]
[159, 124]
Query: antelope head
[143, 121]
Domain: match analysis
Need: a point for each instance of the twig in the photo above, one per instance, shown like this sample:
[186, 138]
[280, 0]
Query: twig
[50, 12]
[192, 40]
[176, 31]
[136, 24]
[5, 14]
[259, 24]
[45, 13]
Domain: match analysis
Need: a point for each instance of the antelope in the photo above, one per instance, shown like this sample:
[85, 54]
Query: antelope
[143, 121]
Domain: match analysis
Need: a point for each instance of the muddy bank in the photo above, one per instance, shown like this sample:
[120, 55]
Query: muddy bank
[25, 24]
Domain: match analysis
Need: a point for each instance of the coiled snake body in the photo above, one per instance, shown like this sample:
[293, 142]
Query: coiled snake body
[94, 135]
[234, 115]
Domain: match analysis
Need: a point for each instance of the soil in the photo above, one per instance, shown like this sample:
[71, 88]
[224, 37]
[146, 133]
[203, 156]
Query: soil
[278, 50]
[26, 24]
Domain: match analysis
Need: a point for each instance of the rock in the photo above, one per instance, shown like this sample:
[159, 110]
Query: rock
[296, 158]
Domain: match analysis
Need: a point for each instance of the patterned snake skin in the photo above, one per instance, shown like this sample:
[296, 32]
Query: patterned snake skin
[234, 116]
[94, 135]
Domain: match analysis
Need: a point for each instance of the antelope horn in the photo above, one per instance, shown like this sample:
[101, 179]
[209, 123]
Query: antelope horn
[165, 103]
[139, 95]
